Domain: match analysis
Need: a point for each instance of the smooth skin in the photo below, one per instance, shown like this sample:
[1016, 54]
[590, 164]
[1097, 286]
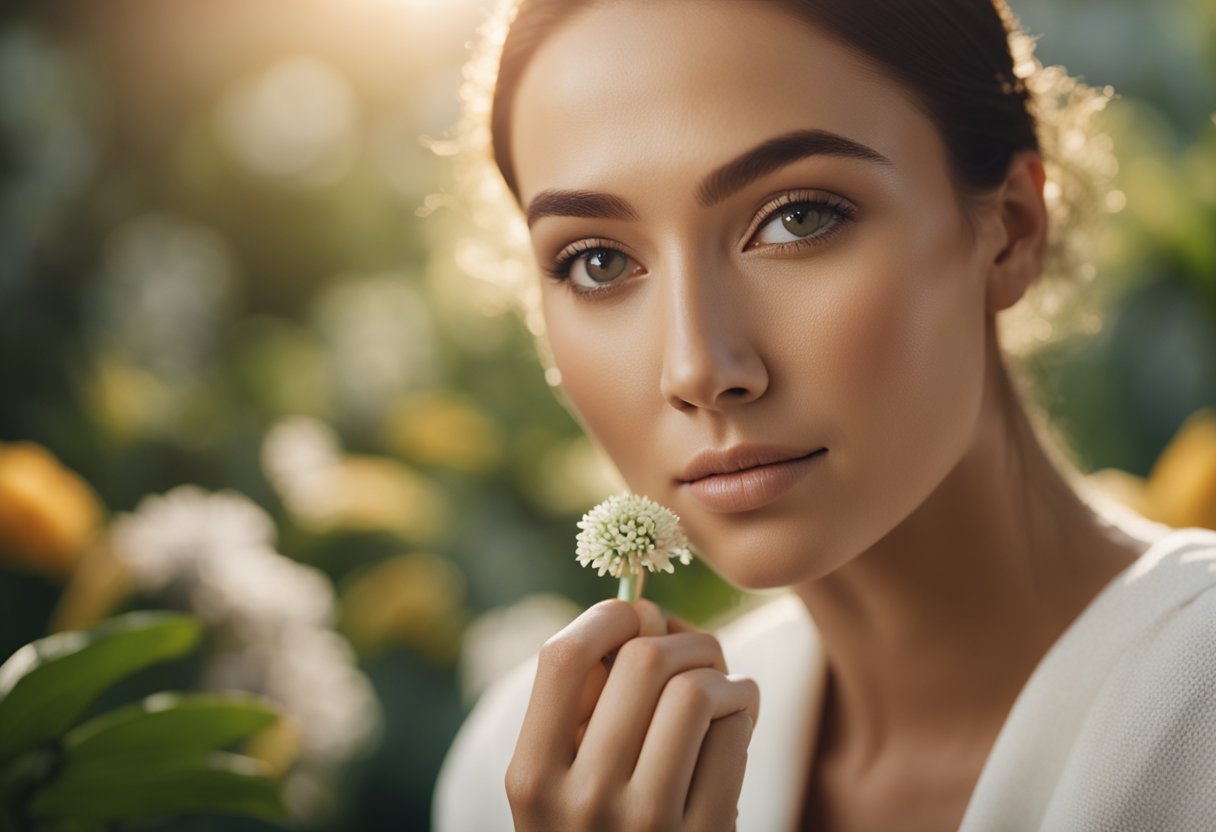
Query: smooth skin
[937, 549]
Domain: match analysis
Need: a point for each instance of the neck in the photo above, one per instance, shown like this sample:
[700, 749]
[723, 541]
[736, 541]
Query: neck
[933, 631]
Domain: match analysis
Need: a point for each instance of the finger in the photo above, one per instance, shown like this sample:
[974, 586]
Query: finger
[713, 797]
[690, 704]
[562, 690]
[642, 670]
[675, 624]
[653, 623]
[651, 616]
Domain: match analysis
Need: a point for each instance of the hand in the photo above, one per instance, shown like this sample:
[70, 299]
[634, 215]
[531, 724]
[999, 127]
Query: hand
[633, 724]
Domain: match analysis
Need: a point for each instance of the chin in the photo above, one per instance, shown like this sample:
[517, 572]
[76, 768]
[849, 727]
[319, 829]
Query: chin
[752, 557]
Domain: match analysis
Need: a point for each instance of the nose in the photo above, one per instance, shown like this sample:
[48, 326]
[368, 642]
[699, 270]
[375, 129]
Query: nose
[711, 360]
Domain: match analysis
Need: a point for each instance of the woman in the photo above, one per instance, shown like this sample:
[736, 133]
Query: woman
[776, 240]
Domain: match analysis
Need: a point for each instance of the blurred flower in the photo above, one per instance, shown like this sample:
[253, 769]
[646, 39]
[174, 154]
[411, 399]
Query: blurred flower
[500, 639]
[127, 401]
[381, 342]
[301, 457]
[213, 553]
[99, 583]
[173, 536]
[295, 121]
[628, 533]
[415, 600]
[325, 490]
[445, 429]
[168, 282]
[48, 514]
[1180, 491]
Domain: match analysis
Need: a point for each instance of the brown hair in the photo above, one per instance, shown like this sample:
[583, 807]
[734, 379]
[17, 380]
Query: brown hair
[954, 56]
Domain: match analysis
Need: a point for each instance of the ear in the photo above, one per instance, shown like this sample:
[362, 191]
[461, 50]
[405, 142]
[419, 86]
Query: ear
[1018, 261]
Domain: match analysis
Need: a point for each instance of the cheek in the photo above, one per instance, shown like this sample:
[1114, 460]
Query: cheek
[902, 358]
[609, 381]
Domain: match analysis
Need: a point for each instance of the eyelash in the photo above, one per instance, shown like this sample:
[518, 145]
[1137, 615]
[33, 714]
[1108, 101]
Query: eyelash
[842, 212]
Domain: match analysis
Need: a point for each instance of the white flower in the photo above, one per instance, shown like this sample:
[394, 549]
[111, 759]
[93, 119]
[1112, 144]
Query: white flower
[271, 616]
[629, 532]
[169, 535]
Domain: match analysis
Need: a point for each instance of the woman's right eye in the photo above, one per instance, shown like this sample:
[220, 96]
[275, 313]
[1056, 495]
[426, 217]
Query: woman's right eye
[594, 269]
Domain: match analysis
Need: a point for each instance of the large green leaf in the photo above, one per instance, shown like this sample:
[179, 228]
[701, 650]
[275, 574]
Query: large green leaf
[47, 684]
[177, 723]
[150, 785]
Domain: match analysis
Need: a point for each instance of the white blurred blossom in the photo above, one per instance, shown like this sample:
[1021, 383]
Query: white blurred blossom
[302, 458]
[214, 553]
[297, 121]
[172, 535]
[381, 341]
[168, 282]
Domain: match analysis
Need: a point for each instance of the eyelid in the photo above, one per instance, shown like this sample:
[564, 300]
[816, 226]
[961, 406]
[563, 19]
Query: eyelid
[768, 211]
[569, 254]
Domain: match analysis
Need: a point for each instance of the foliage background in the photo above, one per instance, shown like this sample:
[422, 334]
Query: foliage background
[217, 216]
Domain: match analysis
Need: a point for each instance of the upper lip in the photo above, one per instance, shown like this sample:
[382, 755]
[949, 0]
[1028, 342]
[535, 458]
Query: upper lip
[738, 458]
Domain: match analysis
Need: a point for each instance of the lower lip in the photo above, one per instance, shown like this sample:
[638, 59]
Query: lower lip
[752, 488]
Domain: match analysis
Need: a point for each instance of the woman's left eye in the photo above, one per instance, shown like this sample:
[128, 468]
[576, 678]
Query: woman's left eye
[796, 221]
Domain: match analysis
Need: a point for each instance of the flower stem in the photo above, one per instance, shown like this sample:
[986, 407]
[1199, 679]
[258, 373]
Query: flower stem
[631, 586]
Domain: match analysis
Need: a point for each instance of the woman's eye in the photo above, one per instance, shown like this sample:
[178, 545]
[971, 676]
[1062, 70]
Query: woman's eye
[598, 267]
[796, 221]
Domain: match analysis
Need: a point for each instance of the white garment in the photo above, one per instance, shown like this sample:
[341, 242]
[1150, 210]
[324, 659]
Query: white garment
[1114, 731]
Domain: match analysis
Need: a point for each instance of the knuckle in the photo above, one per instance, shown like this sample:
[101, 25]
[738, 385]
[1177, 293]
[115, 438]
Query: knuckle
[526, 788]
[712, 646]
[559, 650]
[752, 692]
[591, 804]
[651, 817]
[690, 690]
[643, 655]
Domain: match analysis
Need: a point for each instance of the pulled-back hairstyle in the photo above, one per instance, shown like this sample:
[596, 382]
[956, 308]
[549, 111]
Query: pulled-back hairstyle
[953, 55]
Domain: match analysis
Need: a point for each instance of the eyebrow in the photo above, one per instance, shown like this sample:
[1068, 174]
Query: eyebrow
[720, 184]
[776, 153]
[589, 204]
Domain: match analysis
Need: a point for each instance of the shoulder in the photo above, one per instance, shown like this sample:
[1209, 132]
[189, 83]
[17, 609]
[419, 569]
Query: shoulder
[1147, 752]
[470, 792]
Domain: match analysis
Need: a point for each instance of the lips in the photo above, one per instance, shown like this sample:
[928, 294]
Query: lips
[747, 477]
[740, 458]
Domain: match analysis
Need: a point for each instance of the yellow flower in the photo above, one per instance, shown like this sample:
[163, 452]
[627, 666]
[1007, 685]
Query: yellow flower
[48, 514]
[445, 430]
[1181, 489]
[416, 600]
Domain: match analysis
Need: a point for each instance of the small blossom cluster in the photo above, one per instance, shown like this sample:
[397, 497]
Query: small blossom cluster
[628, 533]
[272, 621]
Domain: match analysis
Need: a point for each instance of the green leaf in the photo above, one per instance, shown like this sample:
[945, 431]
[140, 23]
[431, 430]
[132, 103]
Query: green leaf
[47, 684]
[180, 723]
[167, 783]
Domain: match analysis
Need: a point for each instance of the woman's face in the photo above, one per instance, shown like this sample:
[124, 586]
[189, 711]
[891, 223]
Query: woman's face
[756, 249]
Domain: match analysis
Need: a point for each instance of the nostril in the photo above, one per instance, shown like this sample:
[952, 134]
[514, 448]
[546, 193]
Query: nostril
[737, 392]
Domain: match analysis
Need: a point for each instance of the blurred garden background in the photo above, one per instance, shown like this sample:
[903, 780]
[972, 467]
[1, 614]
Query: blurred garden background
[245, 372]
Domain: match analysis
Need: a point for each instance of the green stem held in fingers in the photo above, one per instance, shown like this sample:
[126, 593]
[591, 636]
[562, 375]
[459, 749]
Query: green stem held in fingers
[631, 586]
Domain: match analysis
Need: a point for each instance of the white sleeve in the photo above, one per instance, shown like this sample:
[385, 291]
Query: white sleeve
[470, 795]
[1146, 757]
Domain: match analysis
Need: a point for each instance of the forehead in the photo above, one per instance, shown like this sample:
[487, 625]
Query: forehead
[657, 93]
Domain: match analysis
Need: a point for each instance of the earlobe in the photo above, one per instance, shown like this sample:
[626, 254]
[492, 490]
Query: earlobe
[1023, 214]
